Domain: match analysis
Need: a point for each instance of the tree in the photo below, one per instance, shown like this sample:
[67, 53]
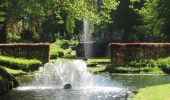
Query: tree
[154, 26]
[125, 18]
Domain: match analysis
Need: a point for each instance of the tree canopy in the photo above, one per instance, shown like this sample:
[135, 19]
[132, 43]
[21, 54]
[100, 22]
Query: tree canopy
[132, 20]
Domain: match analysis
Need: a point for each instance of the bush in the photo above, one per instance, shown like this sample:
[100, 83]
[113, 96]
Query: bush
[20, 63]
[164, 64]
[143, 63]
[161, 63]
[65, 44]
[56, 53]
[63, 48]
[69, 53]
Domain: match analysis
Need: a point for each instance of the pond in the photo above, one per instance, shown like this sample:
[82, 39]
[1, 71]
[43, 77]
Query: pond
[122, 84]
[42, 86]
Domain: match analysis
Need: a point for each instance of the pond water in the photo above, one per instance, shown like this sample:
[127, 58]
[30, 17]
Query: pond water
[87, 86]
[122, 84]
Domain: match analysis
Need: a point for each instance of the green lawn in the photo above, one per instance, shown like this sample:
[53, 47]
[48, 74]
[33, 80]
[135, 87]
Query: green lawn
[97, 69]
[160, 92]
[132, 70]
[90, 60]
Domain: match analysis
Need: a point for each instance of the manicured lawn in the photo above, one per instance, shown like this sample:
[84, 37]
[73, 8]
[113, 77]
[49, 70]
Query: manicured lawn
[160, 92]
[131, 70]
[97, 69]
[90, 60]
[97, 60]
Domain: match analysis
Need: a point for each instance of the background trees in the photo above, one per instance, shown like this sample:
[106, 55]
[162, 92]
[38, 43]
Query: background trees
[112, 20]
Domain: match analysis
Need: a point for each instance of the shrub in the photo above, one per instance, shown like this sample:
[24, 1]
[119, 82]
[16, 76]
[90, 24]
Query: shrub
[65, 44]
[20, 63]
[53, 55]
[63, 48]
[164, 64]
[56, 53]
[143, 63]
[69, 53]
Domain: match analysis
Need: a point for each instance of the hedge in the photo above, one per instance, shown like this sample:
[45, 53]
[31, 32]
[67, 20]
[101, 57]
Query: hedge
[123, 53]
[38, 51]
[20, 63]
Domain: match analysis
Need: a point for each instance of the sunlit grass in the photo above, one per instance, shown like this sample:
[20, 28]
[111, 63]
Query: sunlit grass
[131, 70]
[97, 69]
[90, 60]
[160, 92]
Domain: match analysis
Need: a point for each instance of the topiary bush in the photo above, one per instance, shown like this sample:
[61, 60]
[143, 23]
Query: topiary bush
[20, 63]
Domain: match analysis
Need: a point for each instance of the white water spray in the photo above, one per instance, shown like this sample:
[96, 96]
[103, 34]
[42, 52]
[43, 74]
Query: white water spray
[56, 75]
[87, 39]
[60, 73]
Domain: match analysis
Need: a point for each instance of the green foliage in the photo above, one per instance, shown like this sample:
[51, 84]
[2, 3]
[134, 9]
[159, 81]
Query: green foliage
[63, 48]
[154, 22]
[14, 72]
[19, 63]
[143, 63]
[58, 52]
[162, 63]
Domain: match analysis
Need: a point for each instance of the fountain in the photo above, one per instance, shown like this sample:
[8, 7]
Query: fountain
[52, 77]
[88, 47]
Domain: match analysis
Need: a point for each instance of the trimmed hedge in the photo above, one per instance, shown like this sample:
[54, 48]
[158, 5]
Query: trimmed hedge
[38, 51]
[124, 53]
[19, 63]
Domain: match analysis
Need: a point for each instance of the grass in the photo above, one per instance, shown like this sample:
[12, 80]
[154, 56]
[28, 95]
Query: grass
[132, 70]
[97, 69]
[90, 60]
[160, 92]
